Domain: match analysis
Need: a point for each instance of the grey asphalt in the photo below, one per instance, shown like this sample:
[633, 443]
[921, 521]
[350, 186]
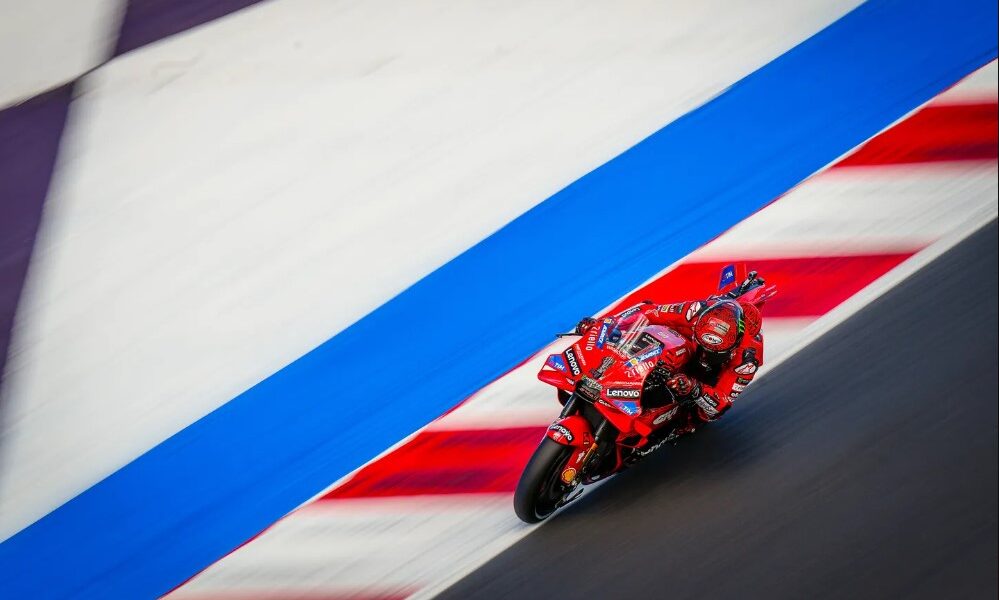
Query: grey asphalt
[863, 467]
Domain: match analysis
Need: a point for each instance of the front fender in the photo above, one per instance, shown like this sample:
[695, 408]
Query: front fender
[573, 430]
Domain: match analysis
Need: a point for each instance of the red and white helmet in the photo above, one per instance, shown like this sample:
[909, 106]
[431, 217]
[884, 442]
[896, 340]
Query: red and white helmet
[720, 327]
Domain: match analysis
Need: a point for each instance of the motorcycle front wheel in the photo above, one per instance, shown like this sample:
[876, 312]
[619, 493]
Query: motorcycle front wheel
[541, 491]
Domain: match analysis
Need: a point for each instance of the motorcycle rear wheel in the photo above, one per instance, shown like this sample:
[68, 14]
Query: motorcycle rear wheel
[541, 491]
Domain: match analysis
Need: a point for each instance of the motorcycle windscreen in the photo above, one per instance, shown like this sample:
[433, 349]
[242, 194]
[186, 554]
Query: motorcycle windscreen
[634, 340]
[627, 333]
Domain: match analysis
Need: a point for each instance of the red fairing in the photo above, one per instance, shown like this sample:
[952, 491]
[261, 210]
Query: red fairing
[607, 367]
[571, 431]
[676, 348]
[634, 381]
[556, 379]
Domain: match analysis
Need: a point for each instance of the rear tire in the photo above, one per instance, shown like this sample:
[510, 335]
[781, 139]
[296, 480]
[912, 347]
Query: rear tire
[540, 490]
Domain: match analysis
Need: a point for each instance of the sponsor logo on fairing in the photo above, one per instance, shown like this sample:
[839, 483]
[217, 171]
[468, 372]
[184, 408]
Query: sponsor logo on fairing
[727, 276]
[570, 358]
[597, 338]
[628, 408]
[738, 387]
[650, 353]
[555, 361]
[666, 416]
[742, 380]
[647, 451]
[605, 364]
[640, 370]
[590, 388]
[561, 430]
[602, 336]
[568, 475]
[625, 383]
[623, 393]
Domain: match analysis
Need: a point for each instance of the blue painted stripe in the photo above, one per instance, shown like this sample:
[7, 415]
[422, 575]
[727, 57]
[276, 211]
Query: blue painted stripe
[197, 495]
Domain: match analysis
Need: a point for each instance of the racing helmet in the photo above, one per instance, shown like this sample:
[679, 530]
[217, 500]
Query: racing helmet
[720, 327]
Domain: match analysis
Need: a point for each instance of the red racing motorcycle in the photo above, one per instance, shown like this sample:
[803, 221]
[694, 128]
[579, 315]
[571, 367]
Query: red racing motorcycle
[617, 408]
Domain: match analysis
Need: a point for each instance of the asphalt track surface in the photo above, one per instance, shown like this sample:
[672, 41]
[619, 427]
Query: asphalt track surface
[863, 467]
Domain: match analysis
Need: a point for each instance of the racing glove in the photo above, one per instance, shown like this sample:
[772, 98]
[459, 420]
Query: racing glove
[682, 385]
[584, 324]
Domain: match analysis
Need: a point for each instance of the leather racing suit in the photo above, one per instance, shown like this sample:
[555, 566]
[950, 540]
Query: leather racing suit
[718, 378]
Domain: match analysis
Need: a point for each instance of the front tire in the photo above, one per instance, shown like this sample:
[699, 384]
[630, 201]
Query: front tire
[541, 491]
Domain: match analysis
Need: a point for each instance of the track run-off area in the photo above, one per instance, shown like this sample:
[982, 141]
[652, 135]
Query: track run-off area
[438, 505]
[406, 238]
[865, 466]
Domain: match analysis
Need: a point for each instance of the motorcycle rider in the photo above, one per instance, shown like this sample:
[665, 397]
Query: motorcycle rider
[729, 345]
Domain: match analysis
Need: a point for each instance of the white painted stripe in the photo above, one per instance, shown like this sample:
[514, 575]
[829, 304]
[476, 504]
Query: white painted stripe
[821, 326]
[847, 212]
[940, 219]
[46, 43]
[980, 86]
[862, 211]
[306, 552]
[972, 223]
[232, 196]
[396, 542]
[390, 547]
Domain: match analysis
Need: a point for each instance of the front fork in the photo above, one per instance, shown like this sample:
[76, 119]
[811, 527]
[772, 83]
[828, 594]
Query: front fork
[576, 464]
